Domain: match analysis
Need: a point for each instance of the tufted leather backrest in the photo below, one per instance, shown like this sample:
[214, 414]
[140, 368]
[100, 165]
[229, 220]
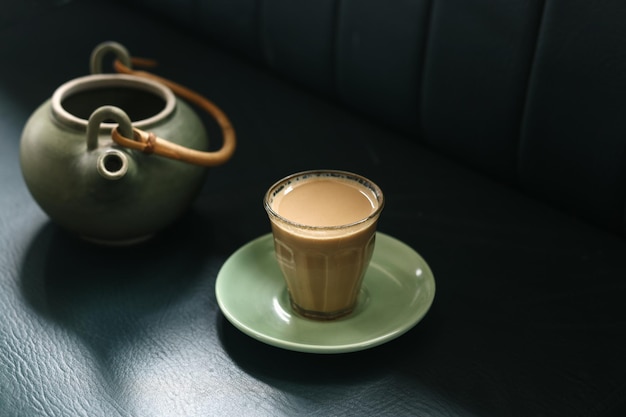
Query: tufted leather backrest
[532, 92]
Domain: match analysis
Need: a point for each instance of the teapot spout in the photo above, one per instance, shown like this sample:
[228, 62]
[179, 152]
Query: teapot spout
[112, 164]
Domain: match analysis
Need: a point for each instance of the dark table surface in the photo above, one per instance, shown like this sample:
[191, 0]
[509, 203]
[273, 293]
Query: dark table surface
[528, 319]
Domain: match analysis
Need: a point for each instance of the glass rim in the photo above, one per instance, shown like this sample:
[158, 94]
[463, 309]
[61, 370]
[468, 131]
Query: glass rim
[366, 182]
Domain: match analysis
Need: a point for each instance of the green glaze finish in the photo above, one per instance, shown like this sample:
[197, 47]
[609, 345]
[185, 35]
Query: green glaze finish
[91, 186]
[398, 290]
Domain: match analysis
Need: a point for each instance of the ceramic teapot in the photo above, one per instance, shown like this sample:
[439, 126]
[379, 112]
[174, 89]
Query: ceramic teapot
[90, 163]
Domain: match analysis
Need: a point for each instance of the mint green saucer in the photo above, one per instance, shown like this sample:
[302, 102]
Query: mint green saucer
[398, 290]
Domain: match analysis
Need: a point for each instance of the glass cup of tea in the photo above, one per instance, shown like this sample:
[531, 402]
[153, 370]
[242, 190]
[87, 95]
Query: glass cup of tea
[324, 229]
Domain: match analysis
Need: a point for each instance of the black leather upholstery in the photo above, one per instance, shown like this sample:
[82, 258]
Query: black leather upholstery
[528, 319]
[526, 91]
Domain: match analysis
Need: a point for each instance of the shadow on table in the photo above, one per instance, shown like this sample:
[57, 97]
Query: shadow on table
[367, 382]
[61, 272]
[272, 363]
[111, 296]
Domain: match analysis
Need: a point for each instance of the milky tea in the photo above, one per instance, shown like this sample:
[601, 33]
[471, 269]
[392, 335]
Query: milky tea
[324, 228]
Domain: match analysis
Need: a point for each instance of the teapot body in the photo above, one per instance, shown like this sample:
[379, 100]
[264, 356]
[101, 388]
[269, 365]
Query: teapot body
[91, 186]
